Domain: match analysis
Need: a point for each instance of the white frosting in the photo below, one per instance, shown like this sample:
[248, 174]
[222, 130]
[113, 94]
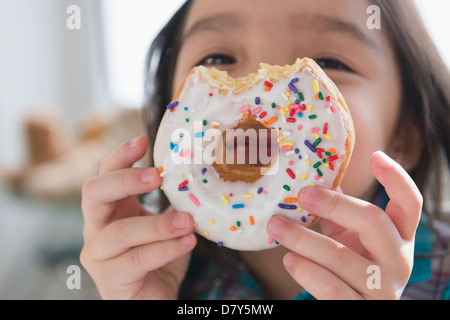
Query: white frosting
[184, 159]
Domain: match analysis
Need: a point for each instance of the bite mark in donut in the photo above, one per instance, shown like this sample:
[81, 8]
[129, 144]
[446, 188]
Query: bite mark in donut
[308, 123]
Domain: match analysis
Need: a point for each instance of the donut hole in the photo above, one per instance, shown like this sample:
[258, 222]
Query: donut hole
[247, 151]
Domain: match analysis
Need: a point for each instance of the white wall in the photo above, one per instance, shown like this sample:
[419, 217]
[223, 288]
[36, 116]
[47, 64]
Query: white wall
[130, 27]
[43, 64]
[435, 14]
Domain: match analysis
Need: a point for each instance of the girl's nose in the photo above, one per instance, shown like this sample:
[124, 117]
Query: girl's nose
[272, 46]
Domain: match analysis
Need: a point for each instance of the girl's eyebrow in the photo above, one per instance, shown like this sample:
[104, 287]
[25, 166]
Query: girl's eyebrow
[312, 22]
[327, 24]
[216, 23]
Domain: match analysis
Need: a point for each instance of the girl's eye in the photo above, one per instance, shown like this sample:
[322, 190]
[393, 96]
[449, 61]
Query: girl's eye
[333, 64]
[217, 60]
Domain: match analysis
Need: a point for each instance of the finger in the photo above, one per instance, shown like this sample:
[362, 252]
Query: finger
[320, 249]
[405, 205]
[124, 234]
[169, 210]
[329, 227]
[125, 155]
[100, 194]
[120, 184]
[140, 260]
[376, 231]
[316, 280]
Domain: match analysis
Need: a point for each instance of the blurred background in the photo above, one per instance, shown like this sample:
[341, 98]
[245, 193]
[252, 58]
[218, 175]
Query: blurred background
[70, 92]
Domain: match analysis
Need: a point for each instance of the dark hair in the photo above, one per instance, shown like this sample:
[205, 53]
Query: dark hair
[425, 85]
[426, 95]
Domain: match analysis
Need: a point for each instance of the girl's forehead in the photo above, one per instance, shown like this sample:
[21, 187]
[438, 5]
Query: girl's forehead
[266, 11]
[348, 17]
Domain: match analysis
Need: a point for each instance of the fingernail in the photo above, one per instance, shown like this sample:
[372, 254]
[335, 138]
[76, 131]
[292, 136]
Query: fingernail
[180, 221]
[277, 226]
[308, 195]
[133, 143]
[289, 260]
[186, 240]
[148, 175]
[384, 161]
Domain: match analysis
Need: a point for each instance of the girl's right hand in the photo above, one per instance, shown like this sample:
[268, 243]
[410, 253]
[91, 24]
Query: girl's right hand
[129, 252]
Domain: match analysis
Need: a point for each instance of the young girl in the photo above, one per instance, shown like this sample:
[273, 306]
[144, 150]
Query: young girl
[397, 89]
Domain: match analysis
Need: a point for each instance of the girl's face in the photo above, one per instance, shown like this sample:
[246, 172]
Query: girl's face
[238, 35]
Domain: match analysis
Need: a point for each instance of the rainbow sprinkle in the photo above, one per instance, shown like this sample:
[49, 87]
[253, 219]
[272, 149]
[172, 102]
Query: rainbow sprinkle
[194, 199]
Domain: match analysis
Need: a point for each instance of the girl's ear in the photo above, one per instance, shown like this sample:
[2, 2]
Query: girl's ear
[407, 145]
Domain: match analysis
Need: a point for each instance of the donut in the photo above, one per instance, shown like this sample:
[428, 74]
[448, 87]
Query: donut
[235, 152]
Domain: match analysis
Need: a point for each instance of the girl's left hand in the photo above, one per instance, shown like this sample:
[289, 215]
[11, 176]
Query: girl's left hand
[366, 253]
